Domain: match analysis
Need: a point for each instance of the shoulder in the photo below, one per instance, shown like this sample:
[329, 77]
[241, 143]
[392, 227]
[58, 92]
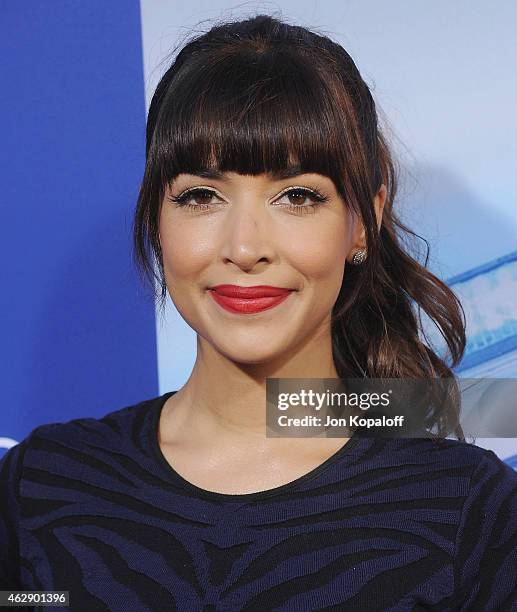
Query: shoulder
[51, 444]
[449, 453]
[458, 457]
[485, 475]
[67, 460]
[477, 492]
[485, 565]
[109, 427]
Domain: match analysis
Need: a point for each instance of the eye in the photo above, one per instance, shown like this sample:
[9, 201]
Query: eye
[200, 195]
[295, 198]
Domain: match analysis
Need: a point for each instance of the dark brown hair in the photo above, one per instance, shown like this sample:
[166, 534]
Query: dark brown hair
[261, 95]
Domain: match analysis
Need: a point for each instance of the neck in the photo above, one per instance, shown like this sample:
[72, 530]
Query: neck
[228, 399]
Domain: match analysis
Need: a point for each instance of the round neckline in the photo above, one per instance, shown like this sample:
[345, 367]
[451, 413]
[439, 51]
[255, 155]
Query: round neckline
[155, 414]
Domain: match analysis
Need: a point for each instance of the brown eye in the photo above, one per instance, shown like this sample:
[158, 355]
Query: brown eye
[198, 198]
[202, 196]
[297, 197]
[301, 199]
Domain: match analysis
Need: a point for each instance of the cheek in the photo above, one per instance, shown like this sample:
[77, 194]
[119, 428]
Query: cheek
[320, 253]
[185, 250]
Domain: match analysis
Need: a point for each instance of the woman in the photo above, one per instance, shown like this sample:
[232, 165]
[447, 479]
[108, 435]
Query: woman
[267, 205]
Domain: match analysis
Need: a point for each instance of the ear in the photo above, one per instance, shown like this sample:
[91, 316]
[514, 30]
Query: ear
[359, 235]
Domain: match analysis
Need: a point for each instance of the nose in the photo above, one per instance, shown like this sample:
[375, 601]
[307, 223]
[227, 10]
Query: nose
[248, 236]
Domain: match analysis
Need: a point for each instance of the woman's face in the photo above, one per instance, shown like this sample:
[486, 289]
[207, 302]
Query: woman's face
[255, 230]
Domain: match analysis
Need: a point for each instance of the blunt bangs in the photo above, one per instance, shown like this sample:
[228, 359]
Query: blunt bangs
[251, 112]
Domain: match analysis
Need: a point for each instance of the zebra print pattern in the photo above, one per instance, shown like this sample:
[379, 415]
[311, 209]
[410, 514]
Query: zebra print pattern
[91, 506]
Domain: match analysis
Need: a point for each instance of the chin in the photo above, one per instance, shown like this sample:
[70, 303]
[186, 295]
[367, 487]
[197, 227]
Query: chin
[254, 354]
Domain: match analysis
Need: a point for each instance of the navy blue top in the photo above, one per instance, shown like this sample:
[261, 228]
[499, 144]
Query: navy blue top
[91, 506]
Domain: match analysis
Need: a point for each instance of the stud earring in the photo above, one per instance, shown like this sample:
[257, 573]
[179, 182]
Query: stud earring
[359, 257]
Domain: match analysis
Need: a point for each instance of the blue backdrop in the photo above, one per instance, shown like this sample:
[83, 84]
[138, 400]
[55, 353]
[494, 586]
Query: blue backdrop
[78, 335]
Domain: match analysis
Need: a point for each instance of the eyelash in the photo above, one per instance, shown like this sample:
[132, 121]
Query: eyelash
[318, 199]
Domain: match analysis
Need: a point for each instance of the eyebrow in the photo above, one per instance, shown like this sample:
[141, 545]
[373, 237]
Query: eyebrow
[284, 173]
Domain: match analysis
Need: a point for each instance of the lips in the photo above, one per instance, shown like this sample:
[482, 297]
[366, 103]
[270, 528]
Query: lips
[258, 291]
[248, 300]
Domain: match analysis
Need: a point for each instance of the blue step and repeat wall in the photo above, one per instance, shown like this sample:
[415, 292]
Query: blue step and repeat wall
[80, 336]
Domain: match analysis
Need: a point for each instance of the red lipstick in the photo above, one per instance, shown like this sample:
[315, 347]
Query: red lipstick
[248, 300]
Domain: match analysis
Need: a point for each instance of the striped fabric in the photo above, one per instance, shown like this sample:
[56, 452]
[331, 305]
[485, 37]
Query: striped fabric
[91, 506]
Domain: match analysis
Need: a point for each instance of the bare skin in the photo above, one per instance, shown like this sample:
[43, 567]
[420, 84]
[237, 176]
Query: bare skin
[212, 431]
